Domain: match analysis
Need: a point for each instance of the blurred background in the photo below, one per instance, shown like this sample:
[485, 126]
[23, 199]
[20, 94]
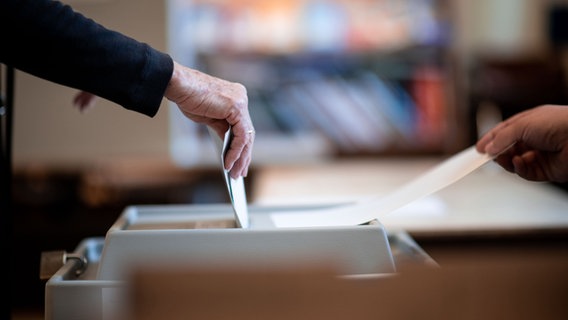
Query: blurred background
[327, 80]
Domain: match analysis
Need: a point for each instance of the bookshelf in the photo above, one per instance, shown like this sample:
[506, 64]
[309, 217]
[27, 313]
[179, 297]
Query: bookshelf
[325, 79]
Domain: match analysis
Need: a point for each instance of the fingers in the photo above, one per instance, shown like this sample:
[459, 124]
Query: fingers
[219, 104]
[538, 138]
[84, 101]
[526, 166]
[231, 105]
[239, 155]
[503, 135]
[487, 138]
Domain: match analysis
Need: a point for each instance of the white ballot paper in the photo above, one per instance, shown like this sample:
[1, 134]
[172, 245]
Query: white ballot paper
[442, 175]
[235, 187]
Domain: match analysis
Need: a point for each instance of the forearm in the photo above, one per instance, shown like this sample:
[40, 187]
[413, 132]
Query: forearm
[47, 39]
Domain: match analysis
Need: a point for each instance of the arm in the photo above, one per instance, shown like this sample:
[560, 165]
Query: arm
[191, 90]
[48, 39]
[75, 51]
[540, 138]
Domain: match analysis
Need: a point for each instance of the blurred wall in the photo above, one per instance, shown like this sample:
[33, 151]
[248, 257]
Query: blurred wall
[47, 128]
[504, 27]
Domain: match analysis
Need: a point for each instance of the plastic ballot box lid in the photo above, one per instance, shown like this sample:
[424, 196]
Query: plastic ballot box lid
[206, 236]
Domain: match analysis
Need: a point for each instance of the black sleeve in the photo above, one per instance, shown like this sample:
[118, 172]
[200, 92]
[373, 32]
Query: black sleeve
[48, 39]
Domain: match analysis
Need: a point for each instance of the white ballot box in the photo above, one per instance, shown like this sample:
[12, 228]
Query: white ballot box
[92, 281]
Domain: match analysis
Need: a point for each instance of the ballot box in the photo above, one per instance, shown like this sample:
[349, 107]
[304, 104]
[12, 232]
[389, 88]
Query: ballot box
[92, 282]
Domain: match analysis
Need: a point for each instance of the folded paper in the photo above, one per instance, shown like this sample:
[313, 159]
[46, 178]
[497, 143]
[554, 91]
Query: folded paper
[235, 187]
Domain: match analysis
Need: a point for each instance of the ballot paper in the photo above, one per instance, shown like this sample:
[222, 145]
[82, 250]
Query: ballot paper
[235, 187]
[364, 211]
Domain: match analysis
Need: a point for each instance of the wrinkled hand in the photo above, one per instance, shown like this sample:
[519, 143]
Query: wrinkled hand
[540, 138]
[219, 104]
[84, 101]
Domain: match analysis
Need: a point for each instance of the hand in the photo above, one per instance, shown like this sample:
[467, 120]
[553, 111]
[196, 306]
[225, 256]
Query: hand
[84, 101]
[540, 138]
[219, 104]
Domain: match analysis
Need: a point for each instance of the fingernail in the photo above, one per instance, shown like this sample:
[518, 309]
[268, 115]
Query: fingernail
[490, 149]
